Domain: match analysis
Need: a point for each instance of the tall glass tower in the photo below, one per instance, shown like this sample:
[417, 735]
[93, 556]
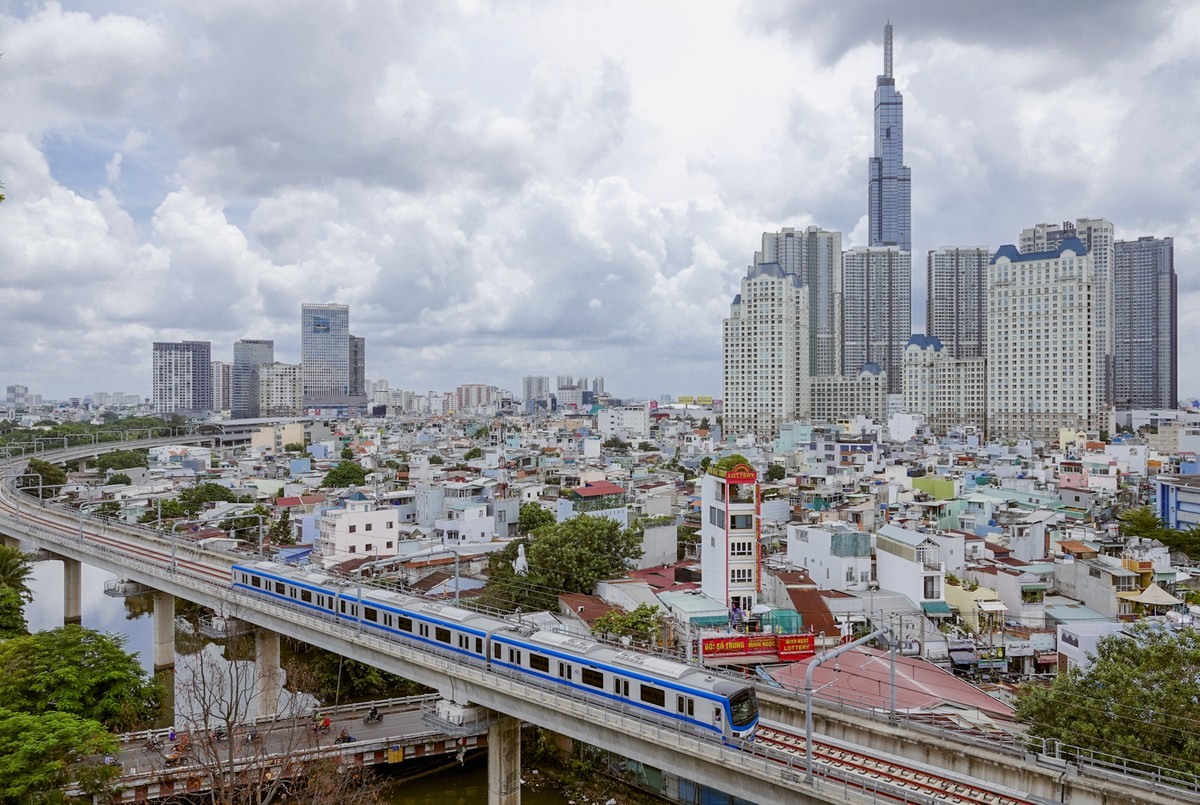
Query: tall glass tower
[889, 187]
[325, 354]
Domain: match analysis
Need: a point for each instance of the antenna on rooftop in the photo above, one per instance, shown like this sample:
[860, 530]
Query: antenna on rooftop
[887, 49]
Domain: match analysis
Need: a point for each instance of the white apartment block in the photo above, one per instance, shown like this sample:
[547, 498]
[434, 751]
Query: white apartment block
[834, 397]
[837, 556]
[626, 420]
[357, 530]
[280, 389]
[815, 256]
[947, 391]
[1042, 342]
[1098, 237]
[956, 308]
[910, 563]
[766, 356]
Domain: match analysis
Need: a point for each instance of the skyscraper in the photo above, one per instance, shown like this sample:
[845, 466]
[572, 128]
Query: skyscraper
[222, 383]
[1145, 324]
[358, 366]
[956, 302]
[325, 354]
[535, 387]
[1097, 236]
[182, 377]
[765, 349]
[815, 256]
[1041, 343]
[889, 187]
[877, 300]
[248, 355]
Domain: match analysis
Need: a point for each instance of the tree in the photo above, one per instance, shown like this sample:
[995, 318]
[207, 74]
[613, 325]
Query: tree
[1136, 700]
[14, 572]
[1141, 521]
[569, 557]
[704, 424]
[42, 477]
[246, 525]
[122, 460]
[294, 447]
[436, 459]
[347, 453]
[77, 671]
[473, 453]
[38, 756]
[171, 510]
[646, 447]
[337, 679]
[119, 478]
[776, 472]
[615, 443]
[281, 530]
[12, 614]
[346, 473]
[644, 625]
[533, 516]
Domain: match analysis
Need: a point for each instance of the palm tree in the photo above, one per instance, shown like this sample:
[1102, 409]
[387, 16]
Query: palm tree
[14, 571]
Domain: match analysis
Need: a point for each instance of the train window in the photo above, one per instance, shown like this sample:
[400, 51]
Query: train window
[441, 635]
[423, 629]
[654, 696]
[539, 663]
[592, 677]
[621, 687]
[343, 606]
[255, 581]
[306, 596]
[279, 587]
[479, 645]
[684, 704]
[371, 614]
[496, 650]
[514, 656]
[404, 623]
[565, 671]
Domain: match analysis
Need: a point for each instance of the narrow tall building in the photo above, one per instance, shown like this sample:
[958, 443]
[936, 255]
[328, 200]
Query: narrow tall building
[358, 366]
[222, 383]
[877, 317]
[1145, 324]
[956, 301]
[1097, 236]
[815, 256]
[1041, 343]
[182, 377]
[325, 354]
[248, 355]
[765, 348]
[889, 185]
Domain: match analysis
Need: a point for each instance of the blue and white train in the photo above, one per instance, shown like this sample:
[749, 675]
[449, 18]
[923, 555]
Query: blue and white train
[665, 688]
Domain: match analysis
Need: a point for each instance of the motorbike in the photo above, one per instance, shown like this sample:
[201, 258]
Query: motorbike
[153, 743]
[373, 717]
[344, 739]
[219, 734]
[320, 726]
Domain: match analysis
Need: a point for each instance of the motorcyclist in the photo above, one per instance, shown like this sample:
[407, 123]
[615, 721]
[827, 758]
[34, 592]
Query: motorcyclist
[374, 714]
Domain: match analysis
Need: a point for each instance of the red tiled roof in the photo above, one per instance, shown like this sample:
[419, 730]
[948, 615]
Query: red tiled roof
[585, 607]
[594, 489]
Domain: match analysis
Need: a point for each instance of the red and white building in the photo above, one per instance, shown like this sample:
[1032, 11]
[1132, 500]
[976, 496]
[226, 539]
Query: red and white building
[729, 550]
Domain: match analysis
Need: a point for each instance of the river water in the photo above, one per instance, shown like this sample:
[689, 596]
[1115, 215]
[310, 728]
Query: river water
[134, 619]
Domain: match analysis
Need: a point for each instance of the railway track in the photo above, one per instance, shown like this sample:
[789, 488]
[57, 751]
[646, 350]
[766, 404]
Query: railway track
[881, 775]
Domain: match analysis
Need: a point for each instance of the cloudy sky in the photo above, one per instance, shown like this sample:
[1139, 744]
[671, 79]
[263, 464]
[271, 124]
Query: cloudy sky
[508, 188]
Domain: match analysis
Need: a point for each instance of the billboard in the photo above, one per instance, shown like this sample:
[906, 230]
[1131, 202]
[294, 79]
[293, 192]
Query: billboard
[787, 647]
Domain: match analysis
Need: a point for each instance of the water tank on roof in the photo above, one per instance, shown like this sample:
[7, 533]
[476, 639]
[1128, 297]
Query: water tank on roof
[992, 523]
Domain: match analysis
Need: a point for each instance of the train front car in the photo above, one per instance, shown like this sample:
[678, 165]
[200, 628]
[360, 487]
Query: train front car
[741, 708]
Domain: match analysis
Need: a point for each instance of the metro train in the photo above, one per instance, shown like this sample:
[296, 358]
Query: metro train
[667, 689]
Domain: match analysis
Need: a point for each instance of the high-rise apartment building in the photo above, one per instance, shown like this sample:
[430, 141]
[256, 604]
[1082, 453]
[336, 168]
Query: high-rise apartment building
[946, 390]
[222, 384]
[325, 354]
[1097, 236]
[535, 387]
[475, 398]
[248, 355]
[1041, 343]
[956, 301]
[765, 349]
[1145, 324]
[182, 377]
[280, 390]
[877, 305]
[815, 256]
[889, 193]
[17, 396]
[358, 366]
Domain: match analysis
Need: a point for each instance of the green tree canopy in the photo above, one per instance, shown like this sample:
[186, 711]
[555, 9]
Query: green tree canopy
[245, 526]
[646, 447]
[729, 462]
[122, 460]
[14, 572]
[294, 447]
[436, 459]
[615, 443]
[281, 530]
[1137, 699]
[532, 517]
[346, 473]
[171, 510]
[776, 472]
[473, 453]
[347, 453]
[12, 614]
[193, 498]
[644, 625]
[120, 478]
[38, 755]
[44, 478]
[1140, 521]
[570, 557]
[77, 671]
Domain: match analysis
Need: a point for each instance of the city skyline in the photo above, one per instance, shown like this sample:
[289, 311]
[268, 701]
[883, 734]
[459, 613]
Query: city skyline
[586, 203]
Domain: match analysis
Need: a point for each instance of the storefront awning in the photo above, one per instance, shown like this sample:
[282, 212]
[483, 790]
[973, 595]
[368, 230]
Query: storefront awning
[963, 657]
[1047, 659]
[992, 606]
[936, 609]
